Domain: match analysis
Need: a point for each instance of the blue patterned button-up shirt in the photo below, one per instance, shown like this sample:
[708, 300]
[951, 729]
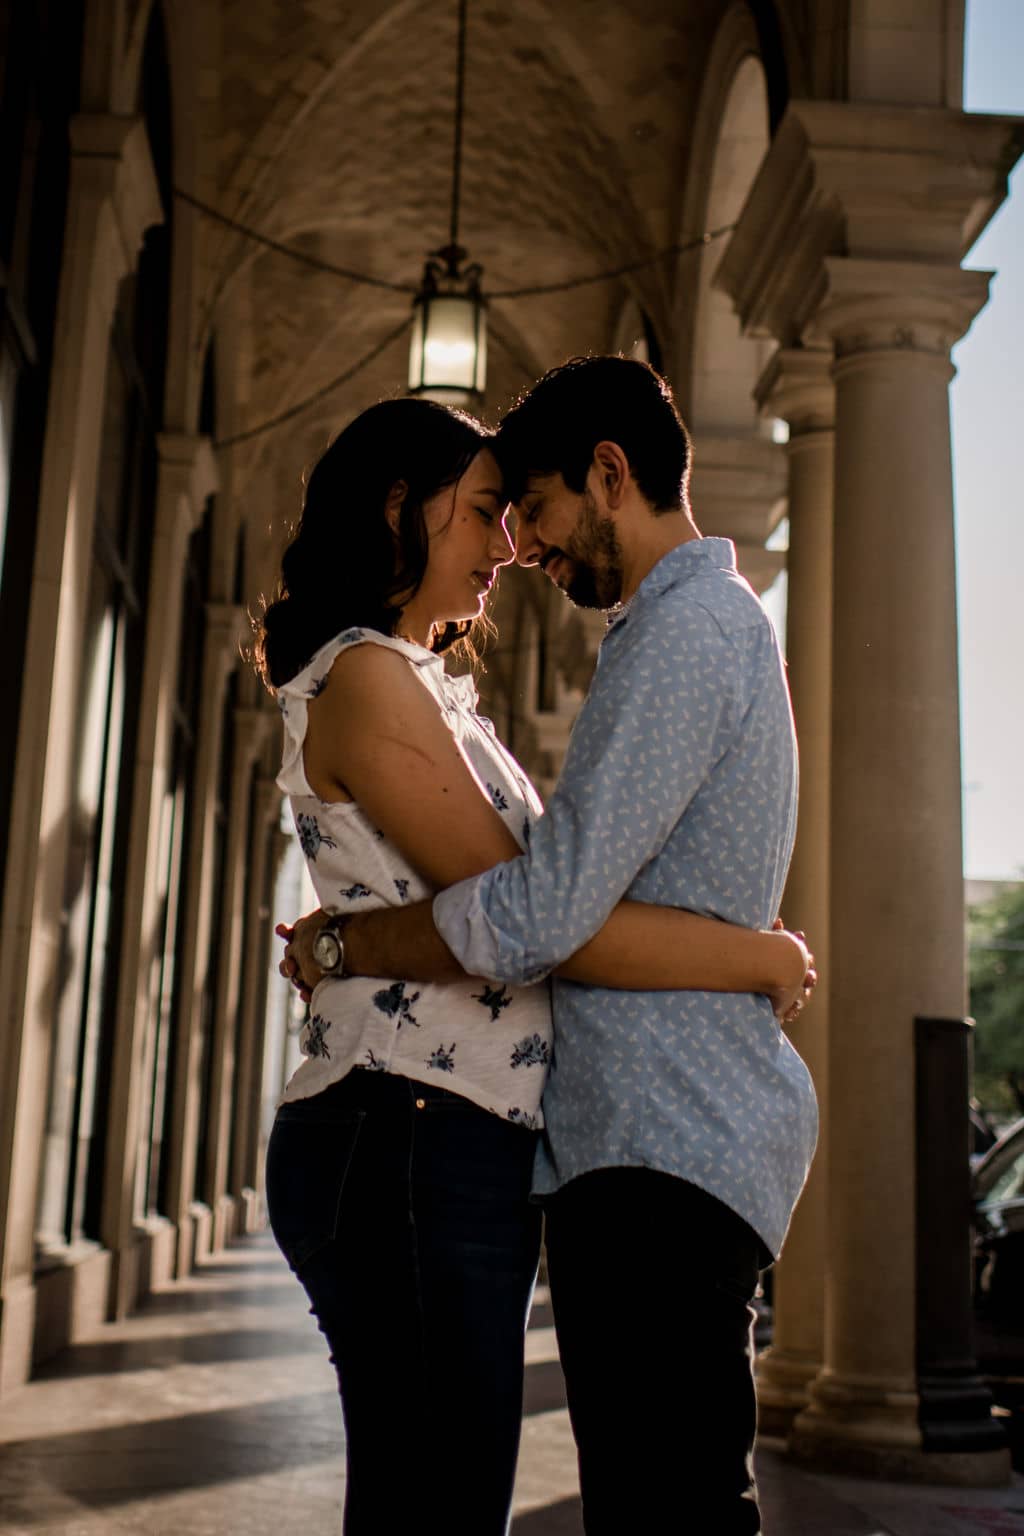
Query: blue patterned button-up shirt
[679, 788]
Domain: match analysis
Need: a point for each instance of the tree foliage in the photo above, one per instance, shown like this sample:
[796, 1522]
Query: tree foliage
[996, 940]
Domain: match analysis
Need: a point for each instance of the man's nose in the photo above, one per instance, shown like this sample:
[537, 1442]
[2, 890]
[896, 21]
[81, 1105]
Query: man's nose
[528, 547]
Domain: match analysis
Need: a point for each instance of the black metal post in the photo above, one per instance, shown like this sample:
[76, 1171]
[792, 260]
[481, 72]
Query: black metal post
[955, 1404]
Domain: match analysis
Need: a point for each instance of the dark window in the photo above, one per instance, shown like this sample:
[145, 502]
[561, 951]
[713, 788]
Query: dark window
[172, 873]
[40, 53]
[221, 811]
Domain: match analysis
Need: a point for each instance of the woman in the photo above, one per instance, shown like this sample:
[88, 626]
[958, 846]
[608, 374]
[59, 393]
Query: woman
[398, 1171]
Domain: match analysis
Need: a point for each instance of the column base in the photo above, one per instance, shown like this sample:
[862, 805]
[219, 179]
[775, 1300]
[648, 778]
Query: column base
[201, 1233]
[869, 1427]
[225, 1222]
[72, 1284]
[956, 1412]
[17, 1330]
[252, 1215]
[142, 1265]
[783, 1379]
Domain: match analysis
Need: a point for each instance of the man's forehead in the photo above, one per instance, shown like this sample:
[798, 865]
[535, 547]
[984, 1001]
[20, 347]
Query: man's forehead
[539, 485]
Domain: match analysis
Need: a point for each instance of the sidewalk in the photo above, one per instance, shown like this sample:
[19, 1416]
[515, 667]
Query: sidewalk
[213, 1411]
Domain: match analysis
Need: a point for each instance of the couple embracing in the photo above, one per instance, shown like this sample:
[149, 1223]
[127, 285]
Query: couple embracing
[570, 1012]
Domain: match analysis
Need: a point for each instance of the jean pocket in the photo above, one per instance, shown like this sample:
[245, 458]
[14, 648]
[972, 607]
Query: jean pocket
[308, 1161]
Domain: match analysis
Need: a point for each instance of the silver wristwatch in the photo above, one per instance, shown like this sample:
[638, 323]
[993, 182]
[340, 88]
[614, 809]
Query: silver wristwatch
[329, 946]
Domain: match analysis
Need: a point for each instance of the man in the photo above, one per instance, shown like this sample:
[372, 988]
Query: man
[679, 1126]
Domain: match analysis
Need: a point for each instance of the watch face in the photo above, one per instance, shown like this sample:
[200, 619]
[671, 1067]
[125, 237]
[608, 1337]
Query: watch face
[327, 950]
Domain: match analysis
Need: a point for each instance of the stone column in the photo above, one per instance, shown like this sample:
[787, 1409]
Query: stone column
[250, 730]
[851, 238]
[244, 1180]
[112, 200]
[225, 627]
[186, 477]
[737, 487]
[897, 922]
[797, 387]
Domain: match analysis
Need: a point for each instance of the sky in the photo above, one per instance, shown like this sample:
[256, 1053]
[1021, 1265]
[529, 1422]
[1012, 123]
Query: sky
[988, 427]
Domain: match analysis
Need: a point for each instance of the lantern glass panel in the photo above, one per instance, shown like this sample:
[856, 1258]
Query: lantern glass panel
[416, 348]
[449, 346]
[481, 349]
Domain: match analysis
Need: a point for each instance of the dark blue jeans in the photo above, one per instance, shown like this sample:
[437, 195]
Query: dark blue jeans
[404, 1210]
[651, 1285]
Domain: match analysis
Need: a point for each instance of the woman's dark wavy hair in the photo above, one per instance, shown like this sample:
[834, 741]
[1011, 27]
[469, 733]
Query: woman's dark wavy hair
[344, 566]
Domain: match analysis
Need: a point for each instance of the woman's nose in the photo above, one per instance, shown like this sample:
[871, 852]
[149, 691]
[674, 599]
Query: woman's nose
[502, 549]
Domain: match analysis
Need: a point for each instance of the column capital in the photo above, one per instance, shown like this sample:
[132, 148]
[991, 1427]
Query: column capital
[737, 482]
[190, 465]
[897, 306]
[759, 565]
[227, 626]
[843, 179]
[114, 153]
[251, 725]
[187, 477]
[797, 386]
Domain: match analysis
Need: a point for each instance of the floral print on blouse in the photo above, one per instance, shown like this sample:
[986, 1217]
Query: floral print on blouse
[483, 1039]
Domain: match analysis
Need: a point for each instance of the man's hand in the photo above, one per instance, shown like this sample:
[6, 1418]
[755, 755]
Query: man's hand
[789, 1001]
[298, 965]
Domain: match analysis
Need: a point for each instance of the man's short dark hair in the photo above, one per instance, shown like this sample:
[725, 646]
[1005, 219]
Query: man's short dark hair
[555, 427]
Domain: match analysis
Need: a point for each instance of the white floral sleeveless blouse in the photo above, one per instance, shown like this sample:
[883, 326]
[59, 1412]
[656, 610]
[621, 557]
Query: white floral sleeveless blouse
[489, 1042]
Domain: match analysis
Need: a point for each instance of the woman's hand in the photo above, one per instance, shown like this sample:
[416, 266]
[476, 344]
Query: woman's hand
[298, 965]
[791, 997]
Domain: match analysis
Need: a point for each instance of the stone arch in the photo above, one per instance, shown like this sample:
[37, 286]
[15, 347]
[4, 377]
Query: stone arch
[739, 473]
[635, 335]
[774, 49]
[732, 136]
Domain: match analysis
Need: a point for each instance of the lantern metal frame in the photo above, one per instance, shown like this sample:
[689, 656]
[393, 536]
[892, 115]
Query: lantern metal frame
[448, 286]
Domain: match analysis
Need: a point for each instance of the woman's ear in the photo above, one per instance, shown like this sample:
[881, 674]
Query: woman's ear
[393, 506]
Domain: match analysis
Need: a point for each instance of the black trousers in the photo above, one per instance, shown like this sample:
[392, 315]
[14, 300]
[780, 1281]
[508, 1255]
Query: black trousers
[651, 1285]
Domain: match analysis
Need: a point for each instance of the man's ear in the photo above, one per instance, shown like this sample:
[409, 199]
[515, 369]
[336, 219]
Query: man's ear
[613, 473]
[393, 506]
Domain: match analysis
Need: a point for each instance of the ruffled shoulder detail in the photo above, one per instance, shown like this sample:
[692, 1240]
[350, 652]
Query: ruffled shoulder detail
[461, 690]
[294, 695]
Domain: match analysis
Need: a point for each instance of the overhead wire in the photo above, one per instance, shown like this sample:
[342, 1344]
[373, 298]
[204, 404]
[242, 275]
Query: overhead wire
[307, 259]
[318, 395]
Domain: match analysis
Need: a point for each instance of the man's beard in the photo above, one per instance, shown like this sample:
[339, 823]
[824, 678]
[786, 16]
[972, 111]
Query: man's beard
[596, 553]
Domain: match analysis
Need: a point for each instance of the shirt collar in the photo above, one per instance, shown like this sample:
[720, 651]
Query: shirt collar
[680, 564]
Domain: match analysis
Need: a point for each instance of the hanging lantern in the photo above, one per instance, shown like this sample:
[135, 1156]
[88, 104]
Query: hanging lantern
[448, 353]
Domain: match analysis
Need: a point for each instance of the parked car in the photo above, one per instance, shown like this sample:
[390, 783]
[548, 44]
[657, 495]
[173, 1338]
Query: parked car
[997, 1184]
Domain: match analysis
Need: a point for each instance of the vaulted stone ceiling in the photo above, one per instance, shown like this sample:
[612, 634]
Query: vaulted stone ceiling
[334, 133]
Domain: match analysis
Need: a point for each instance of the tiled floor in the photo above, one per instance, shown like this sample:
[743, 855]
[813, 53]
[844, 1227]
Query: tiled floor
[213, 1411]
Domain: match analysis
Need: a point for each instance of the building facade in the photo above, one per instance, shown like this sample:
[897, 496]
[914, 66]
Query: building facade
[211, 224]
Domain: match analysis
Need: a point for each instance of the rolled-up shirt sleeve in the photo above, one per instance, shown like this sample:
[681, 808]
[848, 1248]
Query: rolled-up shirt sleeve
[661, 711]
